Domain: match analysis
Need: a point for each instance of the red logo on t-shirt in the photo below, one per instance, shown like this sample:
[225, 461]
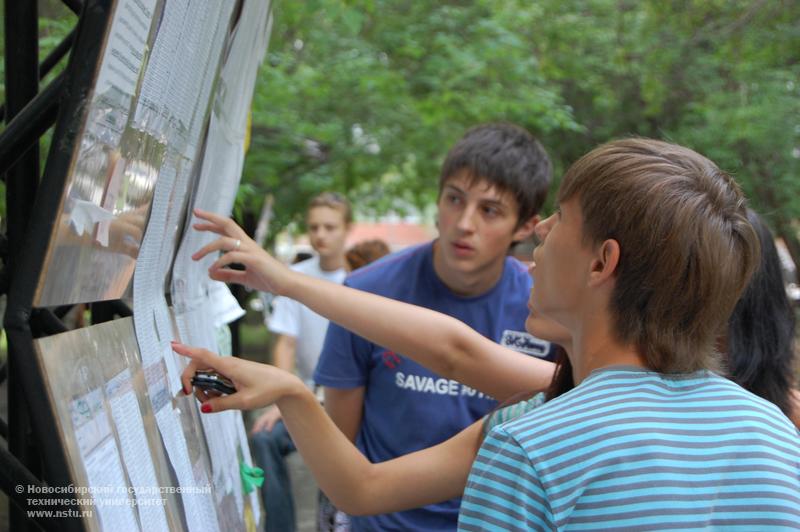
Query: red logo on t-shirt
[391, 359]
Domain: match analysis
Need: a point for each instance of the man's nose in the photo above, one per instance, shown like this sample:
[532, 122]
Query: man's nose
[466, 221]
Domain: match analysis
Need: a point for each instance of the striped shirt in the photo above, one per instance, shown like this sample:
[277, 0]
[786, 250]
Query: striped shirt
[512, 411]
[633, 449]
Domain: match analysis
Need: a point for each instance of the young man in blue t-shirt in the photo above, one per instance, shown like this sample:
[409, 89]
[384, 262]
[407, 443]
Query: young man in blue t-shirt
[492, 185]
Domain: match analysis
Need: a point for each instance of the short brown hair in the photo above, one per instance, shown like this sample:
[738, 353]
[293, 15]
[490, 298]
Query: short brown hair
[365, 252]
[333, 200]
[687, 249]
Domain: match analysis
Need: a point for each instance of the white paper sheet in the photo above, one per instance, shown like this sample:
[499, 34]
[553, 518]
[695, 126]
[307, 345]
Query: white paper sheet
[136, 452]
[194, 305]
[103, 468]
[198, 504]
[150, 315]
[153, 108]
[123, 56]
[189, 62]
[102, 463]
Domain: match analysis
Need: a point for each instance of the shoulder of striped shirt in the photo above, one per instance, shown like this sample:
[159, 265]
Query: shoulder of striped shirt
[537, 417]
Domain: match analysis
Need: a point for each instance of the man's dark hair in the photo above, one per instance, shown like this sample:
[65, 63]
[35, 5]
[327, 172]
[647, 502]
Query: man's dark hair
[507, 157]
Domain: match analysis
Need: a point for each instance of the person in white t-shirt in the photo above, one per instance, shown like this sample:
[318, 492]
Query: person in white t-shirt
[300, 335]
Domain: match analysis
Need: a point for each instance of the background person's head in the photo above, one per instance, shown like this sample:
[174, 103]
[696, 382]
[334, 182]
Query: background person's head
[364, 252]
[686, 249]
[328, 220]
[760, 337]
[493, 183]
[506, 157]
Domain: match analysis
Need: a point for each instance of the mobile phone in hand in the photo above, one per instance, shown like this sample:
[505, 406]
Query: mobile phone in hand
[210, 380]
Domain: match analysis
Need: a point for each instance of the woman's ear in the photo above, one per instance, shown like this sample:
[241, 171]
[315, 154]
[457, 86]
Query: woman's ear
[604, 265]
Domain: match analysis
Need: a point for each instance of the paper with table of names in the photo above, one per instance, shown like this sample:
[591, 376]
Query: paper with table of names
[123, 57]
[101, 461]
[175, 100]
[135, 451]
[198, 505]
[115, 86]
[193, 293]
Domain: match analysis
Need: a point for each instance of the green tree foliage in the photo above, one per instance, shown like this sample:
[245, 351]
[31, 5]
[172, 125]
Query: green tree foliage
[343, 78]
[365, 97]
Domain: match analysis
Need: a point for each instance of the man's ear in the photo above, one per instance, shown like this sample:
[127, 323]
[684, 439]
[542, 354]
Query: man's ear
[604, 264]
[526, 229]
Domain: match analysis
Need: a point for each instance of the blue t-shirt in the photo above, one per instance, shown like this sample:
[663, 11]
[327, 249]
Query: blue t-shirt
[406, 406]
[637, 450]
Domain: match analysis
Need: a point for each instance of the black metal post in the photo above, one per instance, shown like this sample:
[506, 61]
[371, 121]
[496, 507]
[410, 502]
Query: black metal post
[29, 124]
[49, 62]
[74, 5]
[22, 84]
[28, 245]
[13, 475]
[56, 54]
[45, 323]
[103, 311]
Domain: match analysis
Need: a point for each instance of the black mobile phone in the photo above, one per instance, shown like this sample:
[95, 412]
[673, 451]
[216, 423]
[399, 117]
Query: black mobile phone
[211, 380]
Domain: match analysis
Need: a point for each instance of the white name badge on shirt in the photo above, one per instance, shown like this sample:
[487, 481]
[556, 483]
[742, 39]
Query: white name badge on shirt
[525, 343]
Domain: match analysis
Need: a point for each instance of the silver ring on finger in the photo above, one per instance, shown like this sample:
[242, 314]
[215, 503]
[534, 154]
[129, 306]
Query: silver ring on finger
[237, 244]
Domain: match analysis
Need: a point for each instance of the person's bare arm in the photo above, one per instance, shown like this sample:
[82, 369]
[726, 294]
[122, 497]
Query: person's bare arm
[283, 354]
[283, 357]
[346, 408]
[353, 484]
[358, 487]
[437, 341]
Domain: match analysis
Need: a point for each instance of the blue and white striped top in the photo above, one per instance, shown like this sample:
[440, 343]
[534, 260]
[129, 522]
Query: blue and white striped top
[633, 449]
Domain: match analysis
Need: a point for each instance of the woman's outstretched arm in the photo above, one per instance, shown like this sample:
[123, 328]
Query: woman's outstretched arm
[437, 341]
[355, 485]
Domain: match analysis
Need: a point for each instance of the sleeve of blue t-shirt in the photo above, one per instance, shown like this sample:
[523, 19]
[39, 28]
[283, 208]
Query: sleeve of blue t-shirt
[344, 361]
